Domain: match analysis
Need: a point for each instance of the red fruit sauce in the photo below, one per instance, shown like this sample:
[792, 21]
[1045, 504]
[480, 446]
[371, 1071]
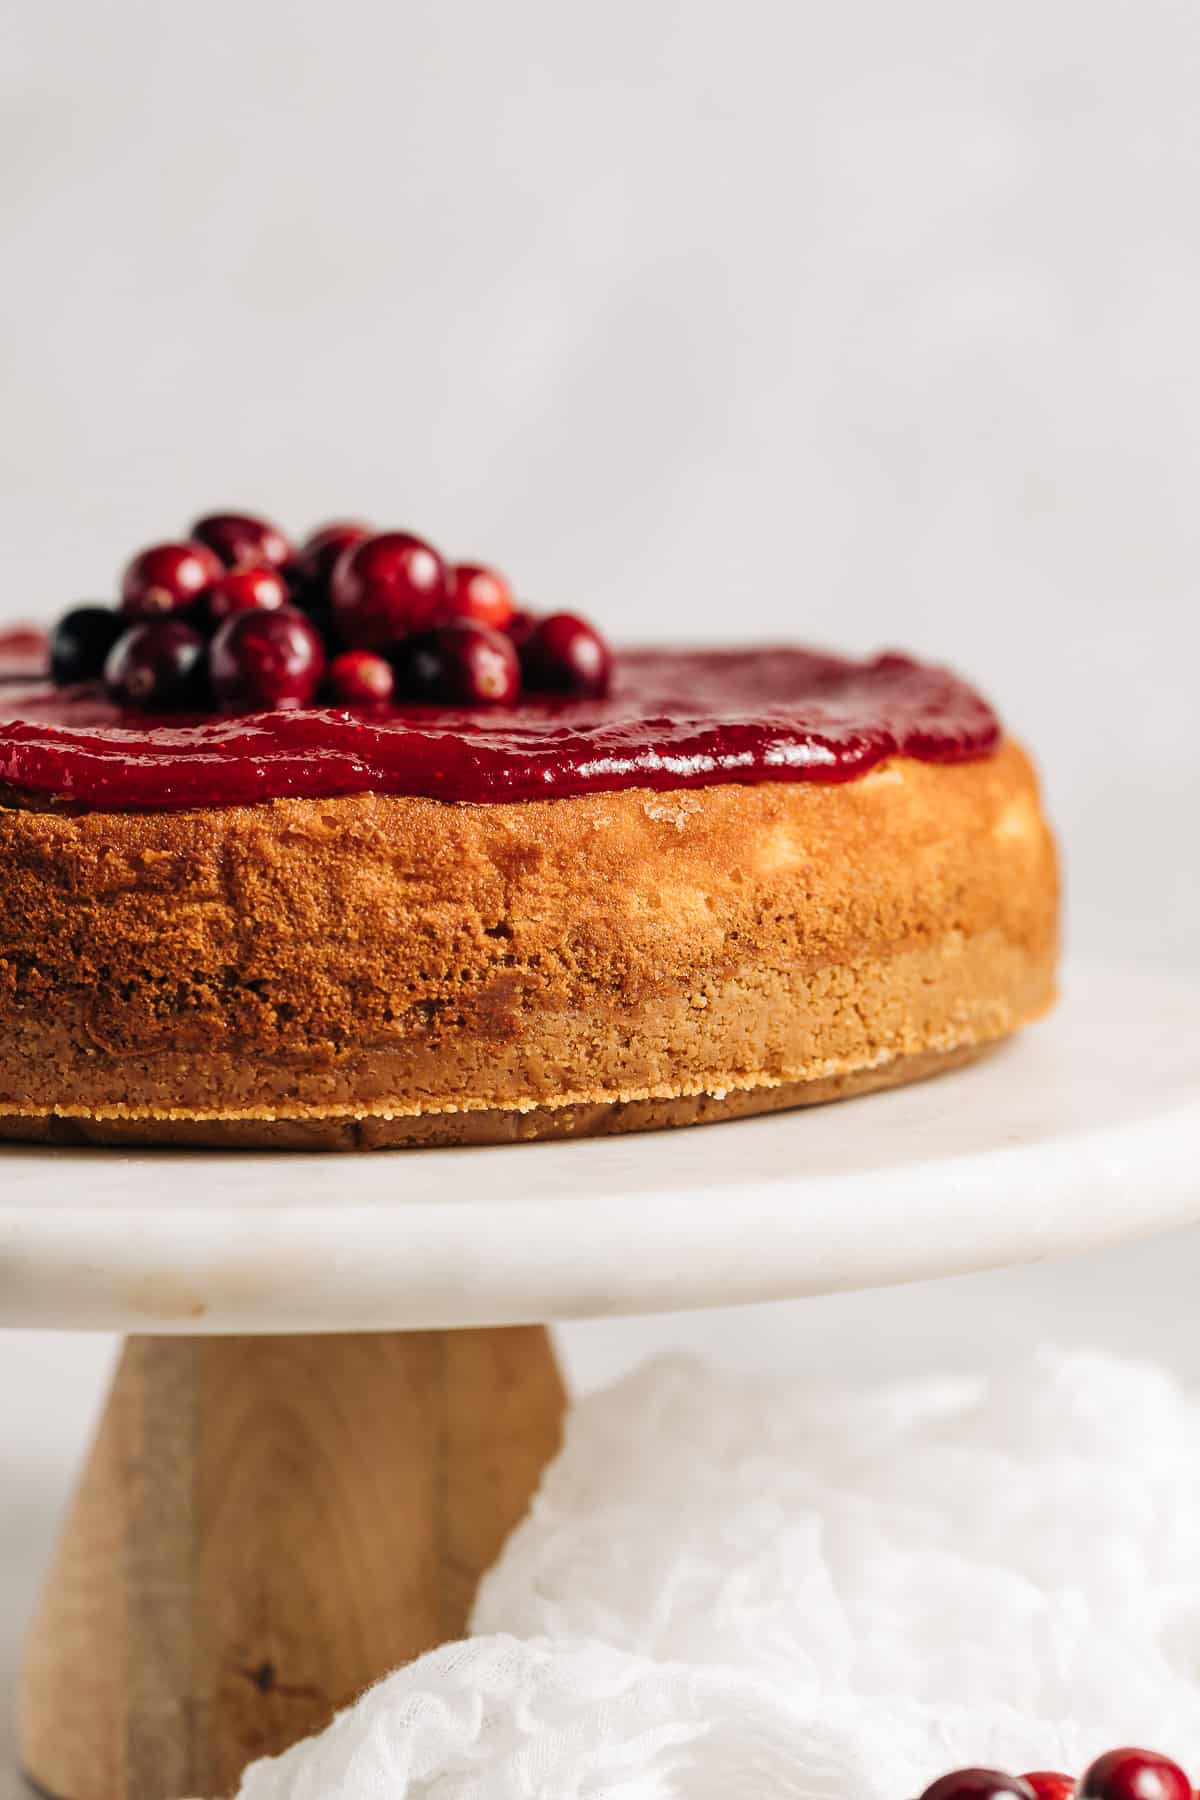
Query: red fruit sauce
[673, 718]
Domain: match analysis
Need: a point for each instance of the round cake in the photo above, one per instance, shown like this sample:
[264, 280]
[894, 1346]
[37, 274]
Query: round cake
[691, 886]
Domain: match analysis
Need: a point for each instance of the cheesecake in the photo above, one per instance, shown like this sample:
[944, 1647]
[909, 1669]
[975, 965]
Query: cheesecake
[299, 876]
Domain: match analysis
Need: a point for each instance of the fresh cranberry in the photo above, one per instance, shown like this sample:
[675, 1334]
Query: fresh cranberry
[1134, 1775]
[476, 592]
[167, 578]
[239, 538]
[321, 549]
[361, 678]
[80, 642]
[245, 590]
[266, 659]
[563, 653]
[385, 588]
[157, 664]
[1047, 1785]
[977, 1784]
[521, 627]
[462, 663]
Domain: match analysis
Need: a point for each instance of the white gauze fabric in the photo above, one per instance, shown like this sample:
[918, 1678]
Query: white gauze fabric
[733, 1587]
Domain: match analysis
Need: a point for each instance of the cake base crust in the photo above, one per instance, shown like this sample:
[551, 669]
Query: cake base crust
[377, 971]
[492, 1126]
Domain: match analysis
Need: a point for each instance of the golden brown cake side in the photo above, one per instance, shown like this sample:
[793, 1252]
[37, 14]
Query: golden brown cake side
[373, 961]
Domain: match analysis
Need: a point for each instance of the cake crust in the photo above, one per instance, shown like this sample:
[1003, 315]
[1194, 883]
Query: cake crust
[382, 970]
[492, 1126]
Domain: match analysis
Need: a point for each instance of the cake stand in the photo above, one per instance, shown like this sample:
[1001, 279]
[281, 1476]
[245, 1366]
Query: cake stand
[337, 1394]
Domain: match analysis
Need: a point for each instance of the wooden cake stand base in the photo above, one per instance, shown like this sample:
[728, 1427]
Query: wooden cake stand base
[265, 1526]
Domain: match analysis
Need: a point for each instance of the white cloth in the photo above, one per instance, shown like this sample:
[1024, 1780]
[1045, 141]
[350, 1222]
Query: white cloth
[728, 1589]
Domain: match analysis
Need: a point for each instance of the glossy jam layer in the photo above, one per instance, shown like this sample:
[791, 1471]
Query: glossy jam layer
[674, 719]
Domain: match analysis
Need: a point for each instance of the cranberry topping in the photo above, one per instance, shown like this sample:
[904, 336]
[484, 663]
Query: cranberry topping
[266, 659]
[241, 538]
[81, 641]
[673, 719]
[158, 663]
[477, 592]
[386, 588]
[977, 1784]
[563, 654]
[167, 578]
[461, 663]
[246, 590]
[448, 703]
[1130, 1774]
[361, 678]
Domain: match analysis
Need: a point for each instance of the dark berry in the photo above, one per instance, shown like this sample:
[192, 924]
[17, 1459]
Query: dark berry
[157, 664]
[80, 642]
[977, 1784]
[476, 592]
[385, 588]
[521, 627]
[321, 549]
[240, 538]
[266, 659]
[1047, 1785]
[361, 678]
[167, 578]
[565, 655]
[1134, 1775]
[245, 590]
[461, 664]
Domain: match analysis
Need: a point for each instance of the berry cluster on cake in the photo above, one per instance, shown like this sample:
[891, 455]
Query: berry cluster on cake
[234, 617]
[336, 845]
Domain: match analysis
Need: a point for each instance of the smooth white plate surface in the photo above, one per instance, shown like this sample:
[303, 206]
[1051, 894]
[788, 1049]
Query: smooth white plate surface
[1084, 1130]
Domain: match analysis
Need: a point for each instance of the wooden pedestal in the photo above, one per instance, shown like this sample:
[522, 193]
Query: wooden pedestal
[264, 1527]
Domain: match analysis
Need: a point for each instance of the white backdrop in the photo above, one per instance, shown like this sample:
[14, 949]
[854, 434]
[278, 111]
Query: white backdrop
[867, 323]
